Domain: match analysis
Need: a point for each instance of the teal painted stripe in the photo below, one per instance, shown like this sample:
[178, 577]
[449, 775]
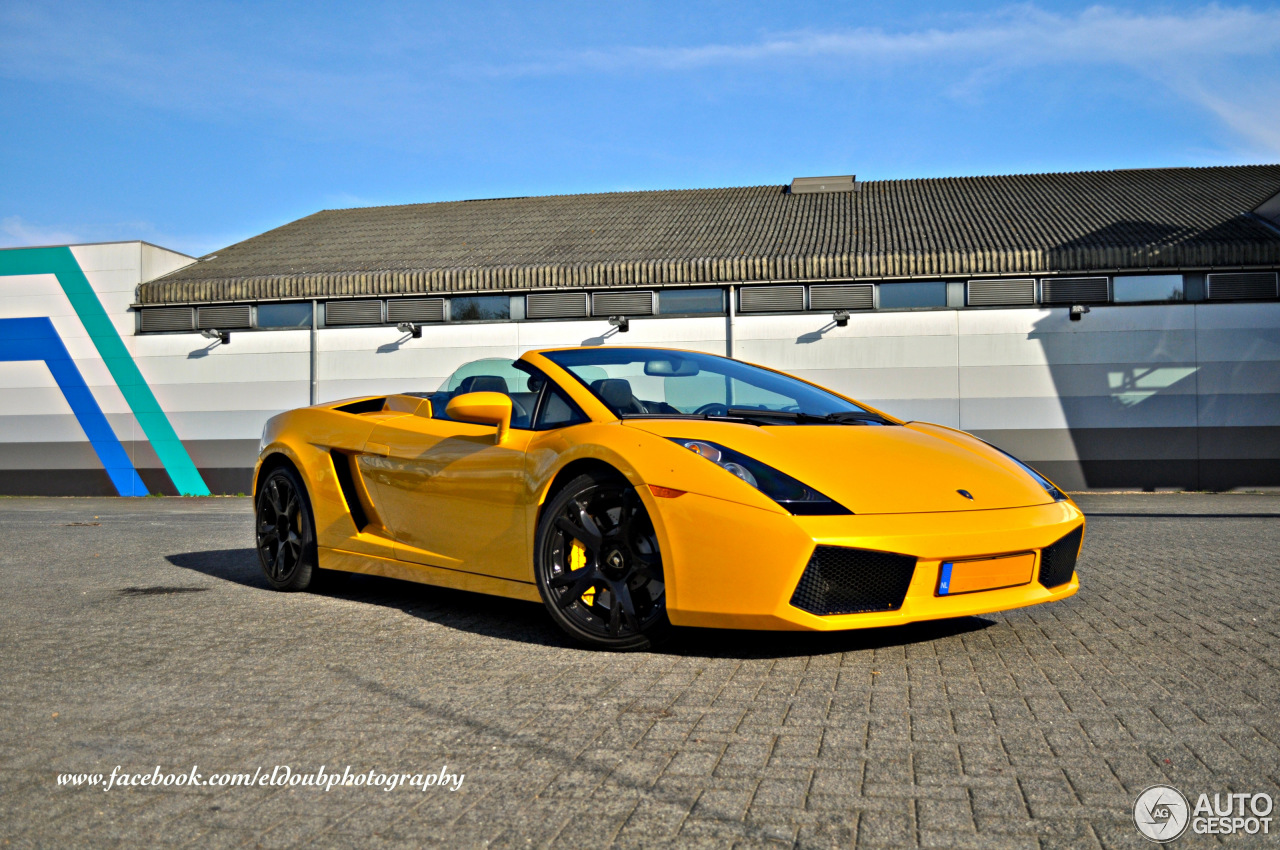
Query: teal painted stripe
[61, 263]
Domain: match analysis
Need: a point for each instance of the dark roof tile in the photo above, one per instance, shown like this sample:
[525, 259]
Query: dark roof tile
[947, 227]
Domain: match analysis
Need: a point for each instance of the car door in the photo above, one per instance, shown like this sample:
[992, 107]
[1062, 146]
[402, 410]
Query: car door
[449, 495]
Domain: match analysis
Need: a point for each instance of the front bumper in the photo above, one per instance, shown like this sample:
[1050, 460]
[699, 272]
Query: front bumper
[733, 566]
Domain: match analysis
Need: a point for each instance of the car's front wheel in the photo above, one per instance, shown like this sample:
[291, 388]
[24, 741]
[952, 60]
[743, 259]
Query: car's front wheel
[286, 538]
[598, 566]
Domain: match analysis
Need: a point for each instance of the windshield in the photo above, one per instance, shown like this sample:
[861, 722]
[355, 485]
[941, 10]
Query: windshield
[635, 382]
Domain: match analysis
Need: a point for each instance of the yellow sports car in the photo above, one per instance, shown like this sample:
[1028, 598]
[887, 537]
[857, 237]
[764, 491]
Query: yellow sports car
[634, 488]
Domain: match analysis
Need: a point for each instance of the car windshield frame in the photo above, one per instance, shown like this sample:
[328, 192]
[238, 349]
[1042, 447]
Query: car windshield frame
[810, 404]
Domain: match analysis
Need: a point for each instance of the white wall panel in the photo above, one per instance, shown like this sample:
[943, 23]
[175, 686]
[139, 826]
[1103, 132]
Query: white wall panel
[220, 424]
[109, 256]
[245, 395]
[905, 323]
[1059, 348]
[698, 334]
[1234, 345]
[922, 382]
[850, 352]
[223, 366]
[156, 261]
[29, 401]
[1211, 317]
[46, 427]
[943, 411]
[25, 374]
[1238, 411]
[1117, 380]
[1082, 412]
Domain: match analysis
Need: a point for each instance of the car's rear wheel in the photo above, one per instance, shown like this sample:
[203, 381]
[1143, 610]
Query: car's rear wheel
[598, 565]
[286, 537]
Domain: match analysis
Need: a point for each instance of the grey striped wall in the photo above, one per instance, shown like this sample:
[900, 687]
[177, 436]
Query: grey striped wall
[1176, 395]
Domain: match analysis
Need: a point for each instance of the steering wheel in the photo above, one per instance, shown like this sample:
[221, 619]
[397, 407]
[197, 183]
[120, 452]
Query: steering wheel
[714, 408]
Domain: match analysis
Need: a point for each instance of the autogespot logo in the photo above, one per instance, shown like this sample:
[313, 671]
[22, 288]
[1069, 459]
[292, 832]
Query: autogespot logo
[1161, 813]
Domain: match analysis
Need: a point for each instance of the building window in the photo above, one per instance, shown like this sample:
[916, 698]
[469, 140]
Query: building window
[480, 308]
[899, 296]
[1147, 287]
[675, 301]
[284, 315]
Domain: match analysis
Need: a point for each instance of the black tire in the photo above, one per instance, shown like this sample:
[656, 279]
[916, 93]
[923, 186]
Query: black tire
[614, 598]
[285, 531]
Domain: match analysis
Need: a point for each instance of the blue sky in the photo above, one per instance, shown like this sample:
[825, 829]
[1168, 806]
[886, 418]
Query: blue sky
[196, 125]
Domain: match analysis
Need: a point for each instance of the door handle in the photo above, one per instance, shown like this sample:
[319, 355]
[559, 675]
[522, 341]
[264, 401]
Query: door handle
[377, 449]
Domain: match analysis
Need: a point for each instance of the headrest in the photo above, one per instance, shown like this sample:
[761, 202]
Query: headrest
[482, 384]
[615, 392]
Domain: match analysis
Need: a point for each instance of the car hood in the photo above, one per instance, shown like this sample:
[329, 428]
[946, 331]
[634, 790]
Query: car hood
[892, 469]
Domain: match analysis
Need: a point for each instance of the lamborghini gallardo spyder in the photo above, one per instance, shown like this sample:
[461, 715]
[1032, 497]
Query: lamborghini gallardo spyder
[630, 489]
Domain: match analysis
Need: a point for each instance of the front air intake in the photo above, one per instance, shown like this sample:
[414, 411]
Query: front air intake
[1058, 560]
[839, 580]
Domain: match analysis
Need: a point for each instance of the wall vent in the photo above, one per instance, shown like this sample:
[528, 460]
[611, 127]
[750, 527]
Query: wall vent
[622, 304]
[848, 296]
[1232, 286]
[822, 185]
[1073, 290]
[556, 305]
[986, 293]
[353, 313]
[168, 319]
[415, 310]
[771, 299]
[223, 318]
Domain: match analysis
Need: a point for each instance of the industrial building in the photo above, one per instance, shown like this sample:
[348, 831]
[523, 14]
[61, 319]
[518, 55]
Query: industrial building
[1117, 330]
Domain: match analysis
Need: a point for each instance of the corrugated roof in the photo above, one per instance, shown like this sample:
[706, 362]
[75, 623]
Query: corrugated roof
[946, 227]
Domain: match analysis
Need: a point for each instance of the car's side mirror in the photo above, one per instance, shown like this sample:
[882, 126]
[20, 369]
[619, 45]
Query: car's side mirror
[483, 409]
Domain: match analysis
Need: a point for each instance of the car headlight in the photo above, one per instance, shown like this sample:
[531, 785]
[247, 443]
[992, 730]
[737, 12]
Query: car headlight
[796, 497]
[1049, 487]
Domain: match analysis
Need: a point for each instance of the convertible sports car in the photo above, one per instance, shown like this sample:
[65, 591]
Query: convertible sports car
[634, 488]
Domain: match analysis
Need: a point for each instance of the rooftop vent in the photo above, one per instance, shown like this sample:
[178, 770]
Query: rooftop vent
[230, 316]
[820, 185]
[988, 293]
[556, 305]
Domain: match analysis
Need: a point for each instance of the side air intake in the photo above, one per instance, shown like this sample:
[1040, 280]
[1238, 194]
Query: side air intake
[1058, 560]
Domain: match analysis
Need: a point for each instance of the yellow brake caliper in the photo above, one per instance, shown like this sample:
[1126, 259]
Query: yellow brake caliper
[578, 560]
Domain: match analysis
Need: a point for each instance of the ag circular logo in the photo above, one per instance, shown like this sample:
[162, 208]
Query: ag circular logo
[1161, 813]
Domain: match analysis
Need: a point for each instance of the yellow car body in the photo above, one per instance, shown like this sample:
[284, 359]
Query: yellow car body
[457, 504]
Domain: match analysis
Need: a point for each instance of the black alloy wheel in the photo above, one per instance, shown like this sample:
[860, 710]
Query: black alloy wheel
[285, 531]
[598, 566]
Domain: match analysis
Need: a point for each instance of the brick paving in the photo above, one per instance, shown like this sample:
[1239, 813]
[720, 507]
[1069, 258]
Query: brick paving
[140, 633]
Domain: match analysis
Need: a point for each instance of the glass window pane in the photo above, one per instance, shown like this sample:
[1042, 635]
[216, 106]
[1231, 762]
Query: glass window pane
[1148, 287]
[496, 375]
[637, 381]
[558, 411]
[480, 308]
[284, 315]
[690, 301]
[894, 296]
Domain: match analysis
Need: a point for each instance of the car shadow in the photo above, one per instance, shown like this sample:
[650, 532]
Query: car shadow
[528, 622]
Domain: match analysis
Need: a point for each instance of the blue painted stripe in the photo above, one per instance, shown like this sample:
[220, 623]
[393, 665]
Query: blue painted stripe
[61, 263]
[944, 578]
[37, 339]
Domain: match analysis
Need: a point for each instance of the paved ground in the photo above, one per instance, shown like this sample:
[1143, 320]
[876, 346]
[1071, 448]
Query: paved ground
[139, 633]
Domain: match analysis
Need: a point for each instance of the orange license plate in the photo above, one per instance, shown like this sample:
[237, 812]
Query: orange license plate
[985, 574]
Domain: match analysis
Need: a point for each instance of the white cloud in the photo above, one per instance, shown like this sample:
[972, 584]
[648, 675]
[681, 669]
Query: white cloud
[15, 232]
[1207, 56]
